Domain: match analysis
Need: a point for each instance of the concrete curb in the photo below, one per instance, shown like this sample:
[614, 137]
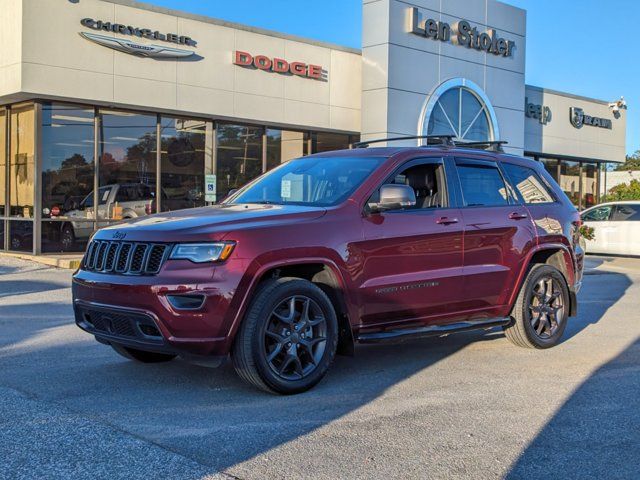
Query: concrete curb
[60, 261]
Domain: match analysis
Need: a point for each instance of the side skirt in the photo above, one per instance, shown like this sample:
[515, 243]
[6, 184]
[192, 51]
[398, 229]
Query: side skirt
[399, 335]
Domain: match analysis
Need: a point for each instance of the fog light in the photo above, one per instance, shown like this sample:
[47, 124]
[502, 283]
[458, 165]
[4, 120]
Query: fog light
[186, 302]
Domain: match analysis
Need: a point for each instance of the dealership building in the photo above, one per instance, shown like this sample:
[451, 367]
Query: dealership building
[111, 109]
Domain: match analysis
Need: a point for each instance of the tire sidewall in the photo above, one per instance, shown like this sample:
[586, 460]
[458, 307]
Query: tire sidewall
[283, 291]
[533, 278]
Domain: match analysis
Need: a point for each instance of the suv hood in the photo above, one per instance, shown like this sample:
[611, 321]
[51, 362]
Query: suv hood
[195, 224]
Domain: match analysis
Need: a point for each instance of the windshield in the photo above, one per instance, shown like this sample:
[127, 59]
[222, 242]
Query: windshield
[315, 181]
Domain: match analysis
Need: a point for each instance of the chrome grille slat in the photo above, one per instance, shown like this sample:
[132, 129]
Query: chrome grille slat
[126, 258]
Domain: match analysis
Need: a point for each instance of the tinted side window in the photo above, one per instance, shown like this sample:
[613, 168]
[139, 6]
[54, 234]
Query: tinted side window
[600, 214]
[528, 184]
[481, 185]
[627, 212]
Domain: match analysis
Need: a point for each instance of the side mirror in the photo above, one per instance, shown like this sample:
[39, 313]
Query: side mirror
[232, 191]
[394, 197]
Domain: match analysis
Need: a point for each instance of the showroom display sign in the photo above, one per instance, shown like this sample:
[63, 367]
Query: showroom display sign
[279, 65]
[460, 33]
[578, 118]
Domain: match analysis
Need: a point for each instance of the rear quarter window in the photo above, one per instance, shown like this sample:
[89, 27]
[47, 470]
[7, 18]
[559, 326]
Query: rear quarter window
[528, 183]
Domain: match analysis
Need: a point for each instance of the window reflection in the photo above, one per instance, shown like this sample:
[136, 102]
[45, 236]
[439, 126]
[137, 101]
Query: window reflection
[239, 156]
[128, 163]
[589, 177]
[21, 166]
[67, 176]
[3, 167]
[570, 180]
[326, 142]
[285, 145]
[20, 235]
[184, 154]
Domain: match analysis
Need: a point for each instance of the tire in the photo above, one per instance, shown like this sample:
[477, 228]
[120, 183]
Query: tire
[539, 319]
[142, 355]
[276, 330]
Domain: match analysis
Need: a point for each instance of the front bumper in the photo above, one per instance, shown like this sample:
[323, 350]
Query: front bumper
[135, 311]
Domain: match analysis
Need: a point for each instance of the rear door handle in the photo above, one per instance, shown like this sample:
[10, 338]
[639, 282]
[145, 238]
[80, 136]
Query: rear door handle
[446, 220]
[517, 215]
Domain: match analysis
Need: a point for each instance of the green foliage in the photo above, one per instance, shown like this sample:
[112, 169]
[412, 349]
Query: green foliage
[624, 191]
[631, 162]
[588, 233]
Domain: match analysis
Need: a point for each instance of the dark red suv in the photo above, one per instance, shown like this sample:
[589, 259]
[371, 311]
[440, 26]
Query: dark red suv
[363, 245]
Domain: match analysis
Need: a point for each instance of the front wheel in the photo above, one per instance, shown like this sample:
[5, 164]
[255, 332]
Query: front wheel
[541, 310]
[288, 338]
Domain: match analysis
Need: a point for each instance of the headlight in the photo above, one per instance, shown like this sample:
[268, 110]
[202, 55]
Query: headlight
[202, 252]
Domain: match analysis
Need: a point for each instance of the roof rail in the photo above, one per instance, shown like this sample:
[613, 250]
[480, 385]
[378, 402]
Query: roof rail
[491, 145]
[442, 140]
[446, 140]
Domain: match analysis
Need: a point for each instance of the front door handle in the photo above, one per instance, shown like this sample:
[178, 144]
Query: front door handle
[517, 215]
[446, 220]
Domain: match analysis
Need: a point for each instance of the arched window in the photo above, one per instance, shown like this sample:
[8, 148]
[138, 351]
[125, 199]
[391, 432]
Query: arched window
[459, 107]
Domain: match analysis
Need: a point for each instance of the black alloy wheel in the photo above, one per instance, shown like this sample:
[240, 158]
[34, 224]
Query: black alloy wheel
[295, 337]
[541, 311]
[288, 338]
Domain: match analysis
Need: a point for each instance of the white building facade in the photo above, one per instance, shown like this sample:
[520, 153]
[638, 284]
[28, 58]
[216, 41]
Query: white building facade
[112, 108]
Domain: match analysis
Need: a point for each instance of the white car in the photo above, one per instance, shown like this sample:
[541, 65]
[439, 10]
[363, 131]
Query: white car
[616, 227]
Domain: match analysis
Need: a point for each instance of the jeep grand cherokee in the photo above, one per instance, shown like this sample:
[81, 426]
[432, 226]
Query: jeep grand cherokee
[356, 246]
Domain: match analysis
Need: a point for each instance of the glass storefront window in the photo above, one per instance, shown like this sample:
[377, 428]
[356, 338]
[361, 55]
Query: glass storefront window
[239, 156]
[127, 170]
[325, 142]
[67, 176]
[184, 153]
[285, 145]
[21, 162]
[3, 167]
[590, 177]
[570, 180]
[20, 235]
[551, 165]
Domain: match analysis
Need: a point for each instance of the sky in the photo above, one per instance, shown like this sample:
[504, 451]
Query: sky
[585, 47]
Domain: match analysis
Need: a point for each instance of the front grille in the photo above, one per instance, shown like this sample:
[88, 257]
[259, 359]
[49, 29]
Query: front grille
[118, 323]
[129, 258]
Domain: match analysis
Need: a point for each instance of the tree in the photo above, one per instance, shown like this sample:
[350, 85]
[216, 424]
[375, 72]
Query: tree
[631, 162]
[624, 191]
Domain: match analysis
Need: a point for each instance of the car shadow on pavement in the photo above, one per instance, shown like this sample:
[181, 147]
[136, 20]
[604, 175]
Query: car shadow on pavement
[596, 433]
[210, 415]
[14, 288]
[594, 301]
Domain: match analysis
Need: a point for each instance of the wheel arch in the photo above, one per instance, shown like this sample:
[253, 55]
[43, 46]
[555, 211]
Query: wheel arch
[556, 255]
[322, 272]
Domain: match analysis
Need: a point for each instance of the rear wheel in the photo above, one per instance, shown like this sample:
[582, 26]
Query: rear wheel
[141, 355]
[541, 310]
[288, 338]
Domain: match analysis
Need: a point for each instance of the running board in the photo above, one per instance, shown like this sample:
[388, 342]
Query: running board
[430, 331]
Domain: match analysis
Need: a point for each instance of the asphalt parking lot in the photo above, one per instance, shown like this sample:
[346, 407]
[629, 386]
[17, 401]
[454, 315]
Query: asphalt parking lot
[464, 406]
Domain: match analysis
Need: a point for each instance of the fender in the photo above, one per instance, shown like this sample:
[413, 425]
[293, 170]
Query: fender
[570, 269]
[263, 268]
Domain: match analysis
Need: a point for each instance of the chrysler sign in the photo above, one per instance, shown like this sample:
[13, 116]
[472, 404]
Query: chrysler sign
[133, 47]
